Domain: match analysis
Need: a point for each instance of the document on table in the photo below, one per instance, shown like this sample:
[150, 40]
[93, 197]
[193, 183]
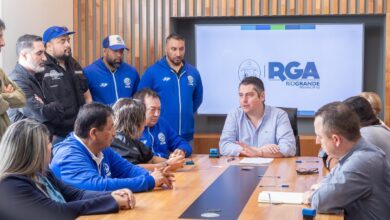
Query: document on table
[256, 160]
[281, 197]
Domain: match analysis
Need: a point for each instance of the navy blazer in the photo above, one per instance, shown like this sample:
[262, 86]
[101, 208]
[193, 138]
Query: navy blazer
[21, 199]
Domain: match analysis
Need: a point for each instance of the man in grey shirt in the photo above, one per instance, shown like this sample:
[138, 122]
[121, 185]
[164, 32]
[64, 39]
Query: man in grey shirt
[256, 129]
[360, 182]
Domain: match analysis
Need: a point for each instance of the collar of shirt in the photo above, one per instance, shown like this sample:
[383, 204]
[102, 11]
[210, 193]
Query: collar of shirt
[98, 159]
[265, 114]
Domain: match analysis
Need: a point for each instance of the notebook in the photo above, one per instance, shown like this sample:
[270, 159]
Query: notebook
[256, 160]
[280, 197]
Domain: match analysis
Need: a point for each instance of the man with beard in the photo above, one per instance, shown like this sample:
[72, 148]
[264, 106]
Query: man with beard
[11, 96]
[109, 78]
[62, 79]
[31, 60]
[179, 86]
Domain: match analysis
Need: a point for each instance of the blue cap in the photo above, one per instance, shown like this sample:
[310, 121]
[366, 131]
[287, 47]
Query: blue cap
[114, 42]
[54, 32]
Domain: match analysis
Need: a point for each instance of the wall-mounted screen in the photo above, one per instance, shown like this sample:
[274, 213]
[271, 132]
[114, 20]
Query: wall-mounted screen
[302, 65]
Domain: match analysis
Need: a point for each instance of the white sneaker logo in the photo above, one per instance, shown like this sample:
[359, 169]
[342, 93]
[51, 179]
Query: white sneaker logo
[103, 85]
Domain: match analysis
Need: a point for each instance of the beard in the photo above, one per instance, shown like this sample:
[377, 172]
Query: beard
[36, 68]
[113, 63]
[65, 55]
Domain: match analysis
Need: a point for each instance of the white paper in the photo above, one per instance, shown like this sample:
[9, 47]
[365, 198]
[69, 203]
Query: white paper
[281, 197]
[256, 160]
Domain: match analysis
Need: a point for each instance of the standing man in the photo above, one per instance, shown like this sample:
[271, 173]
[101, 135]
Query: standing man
[63, 78]
[359, 185]
[158, 134]
[109, 78]
[11, 96]
[31, 60]
[179, 86]
[256, 129]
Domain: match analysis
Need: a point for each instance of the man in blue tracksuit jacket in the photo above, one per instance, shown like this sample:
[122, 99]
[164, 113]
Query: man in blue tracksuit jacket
[84, 161]
[158, 133]
[109, 78]
[179, 86]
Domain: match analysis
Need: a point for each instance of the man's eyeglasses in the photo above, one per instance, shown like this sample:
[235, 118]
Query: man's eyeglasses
[304, 171]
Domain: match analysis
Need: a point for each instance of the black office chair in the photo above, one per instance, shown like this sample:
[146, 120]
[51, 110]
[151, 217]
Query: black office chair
[292, 115]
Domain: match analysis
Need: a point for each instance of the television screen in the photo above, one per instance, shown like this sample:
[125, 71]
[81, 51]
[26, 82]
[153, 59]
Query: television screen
[302, 66]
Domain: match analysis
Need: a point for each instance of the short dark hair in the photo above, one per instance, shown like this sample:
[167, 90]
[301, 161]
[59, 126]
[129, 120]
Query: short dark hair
[129, 115]
[92, 115]
[2, 25]
[363, 109]
[26, 42]
[255, 81]
[145, 92]
[175, 36]
[338, 118]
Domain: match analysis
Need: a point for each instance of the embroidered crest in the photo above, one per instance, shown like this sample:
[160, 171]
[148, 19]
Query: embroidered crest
[161, 138]
[127, 82]
[190, 80]
[107, 169]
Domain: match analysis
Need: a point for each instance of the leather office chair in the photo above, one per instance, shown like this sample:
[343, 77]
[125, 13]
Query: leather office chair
[292, 116]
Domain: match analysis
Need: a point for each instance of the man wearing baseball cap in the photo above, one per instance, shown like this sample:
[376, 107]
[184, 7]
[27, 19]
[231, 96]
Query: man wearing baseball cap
[63, 79]
[109, 78]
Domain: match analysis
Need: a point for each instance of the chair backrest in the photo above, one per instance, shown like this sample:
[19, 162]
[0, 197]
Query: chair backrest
[292, 116]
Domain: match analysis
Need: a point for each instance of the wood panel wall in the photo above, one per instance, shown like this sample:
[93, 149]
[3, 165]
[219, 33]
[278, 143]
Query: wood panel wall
[144, 24]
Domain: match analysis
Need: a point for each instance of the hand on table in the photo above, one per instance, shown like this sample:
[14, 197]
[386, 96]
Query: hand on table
[163, 177]
[124, 198]
[175, 163]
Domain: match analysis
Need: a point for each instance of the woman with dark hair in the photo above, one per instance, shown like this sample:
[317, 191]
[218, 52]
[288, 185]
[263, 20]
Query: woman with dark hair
[129, 122]
[30, 191]
[371, 128]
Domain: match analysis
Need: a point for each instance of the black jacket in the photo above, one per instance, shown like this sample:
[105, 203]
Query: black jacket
[132, 150]
[48, 113]
[21, 199]
[66, 87]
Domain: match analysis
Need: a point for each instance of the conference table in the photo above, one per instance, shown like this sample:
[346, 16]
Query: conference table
[193, 180]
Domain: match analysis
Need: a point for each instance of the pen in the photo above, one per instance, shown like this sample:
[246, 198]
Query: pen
[282, 185]
[269, 176]
[307, 161]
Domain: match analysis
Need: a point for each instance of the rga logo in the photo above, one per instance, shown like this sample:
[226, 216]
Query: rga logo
[295, 74]
[247, 68]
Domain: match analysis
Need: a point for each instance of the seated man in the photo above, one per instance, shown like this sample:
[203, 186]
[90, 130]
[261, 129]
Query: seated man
[360, 183]
[85, 161]
[158, 134]
[255, 129]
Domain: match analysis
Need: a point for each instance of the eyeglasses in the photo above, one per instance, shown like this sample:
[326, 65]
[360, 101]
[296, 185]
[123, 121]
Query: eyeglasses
[304, 171]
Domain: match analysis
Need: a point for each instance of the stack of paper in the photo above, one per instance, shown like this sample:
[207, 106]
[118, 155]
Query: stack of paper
[281, 197]
[256, 160]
